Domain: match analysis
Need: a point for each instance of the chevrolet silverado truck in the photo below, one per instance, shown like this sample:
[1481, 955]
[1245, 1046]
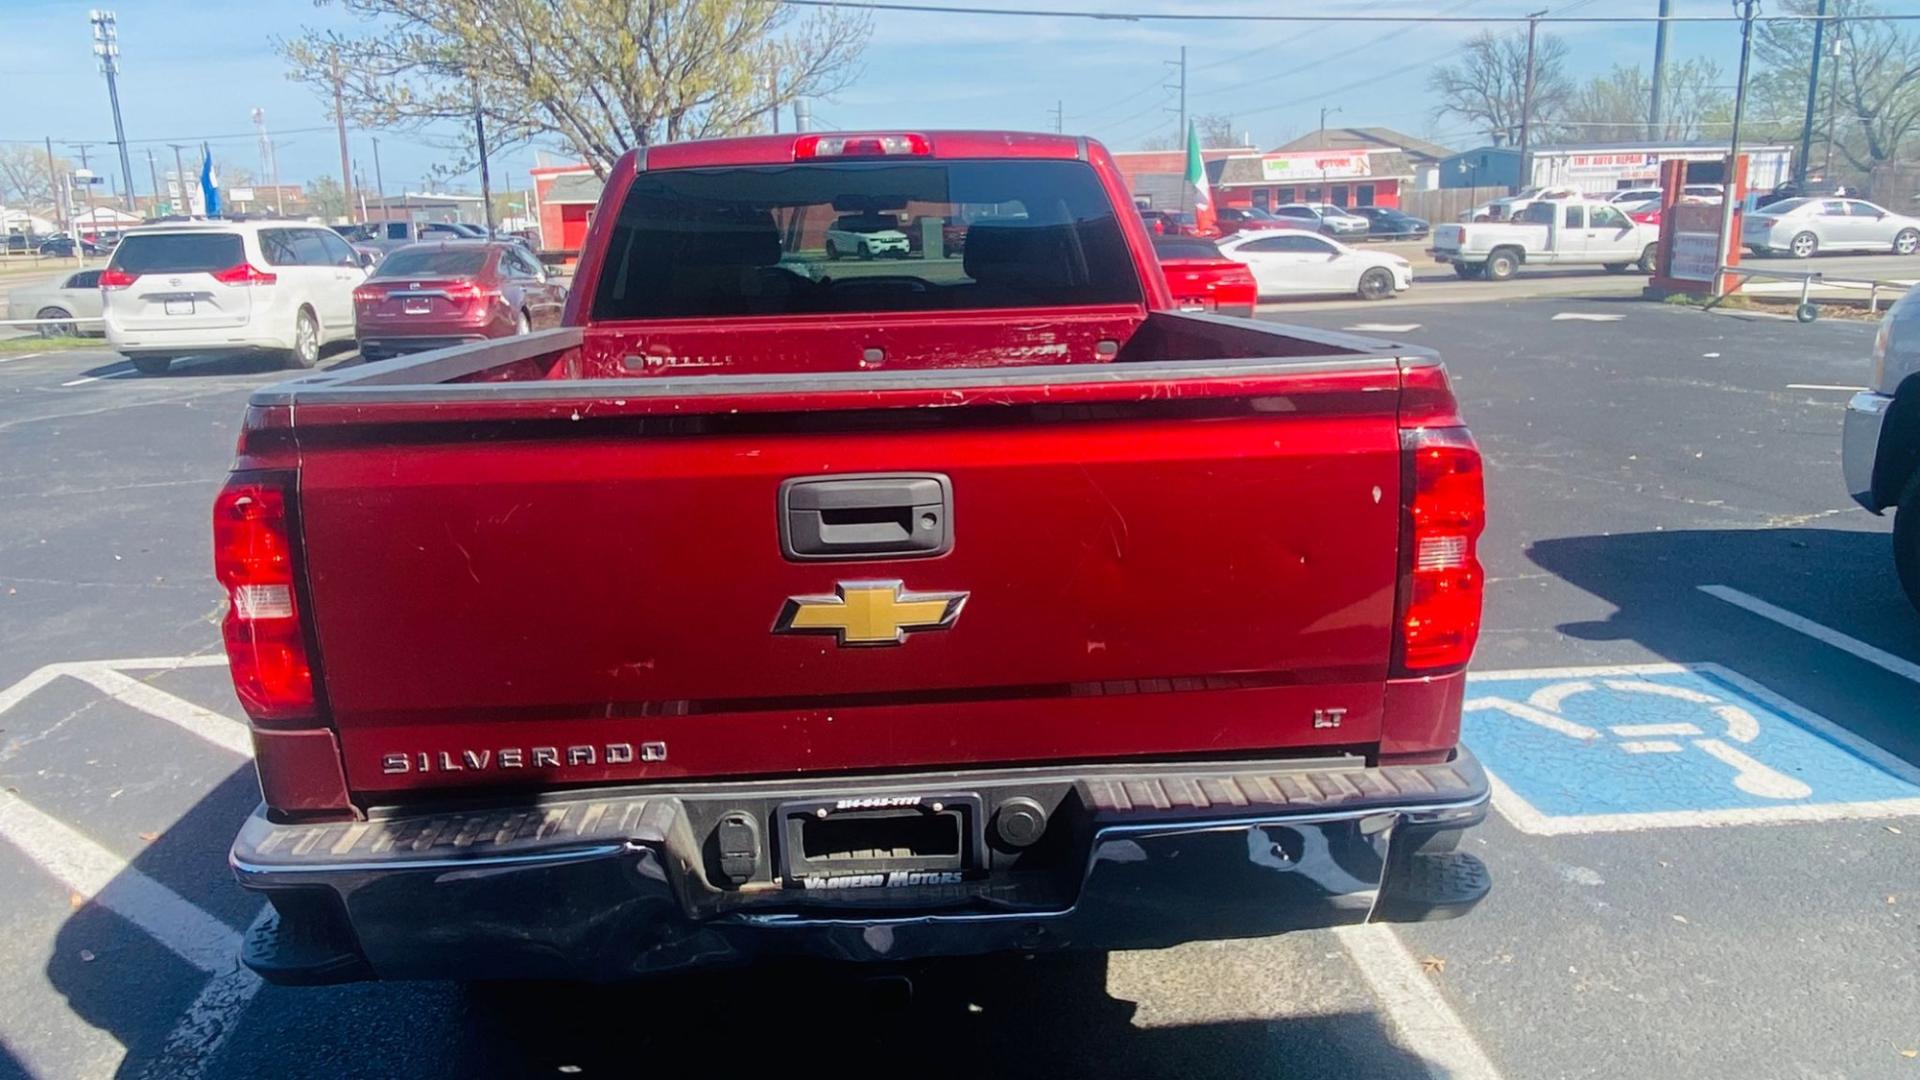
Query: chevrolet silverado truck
[1548, 232]
[779, 606]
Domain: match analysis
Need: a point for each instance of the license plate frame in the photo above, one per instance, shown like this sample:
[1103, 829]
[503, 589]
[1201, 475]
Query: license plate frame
[884, 815]
[179, 305]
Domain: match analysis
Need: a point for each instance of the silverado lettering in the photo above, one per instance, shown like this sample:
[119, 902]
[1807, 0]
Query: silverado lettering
[741, 496]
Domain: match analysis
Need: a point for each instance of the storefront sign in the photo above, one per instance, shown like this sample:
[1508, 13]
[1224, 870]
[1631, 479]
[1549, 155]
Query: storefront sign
[1696, 256]
[1611, 163]
[1315, 166]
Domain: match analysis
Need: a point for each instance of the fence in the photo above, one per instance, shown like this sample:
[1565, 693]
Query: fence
[1447, 204]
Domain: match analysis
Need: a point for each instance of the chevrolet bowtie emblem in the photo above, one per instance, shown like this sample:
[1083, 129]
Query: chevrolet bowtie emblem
[869, 613]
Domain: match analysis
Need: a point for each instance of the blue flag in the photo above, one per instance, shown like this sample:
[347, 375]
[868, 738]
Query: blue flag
[209, 184]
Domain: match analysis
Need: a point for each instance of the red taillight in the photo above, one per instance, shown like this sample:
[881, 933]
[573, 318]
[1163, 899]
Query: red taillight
[244, 274]
[112, 278]
[364, 295]
[1441, 583]
[253, 559]
[819, 146]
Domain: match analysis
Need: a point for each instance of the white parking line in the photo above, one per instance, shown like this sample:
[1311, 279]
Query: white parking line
[1428, 1025]
[97, 378]
[1906, 669]
[209, 725]
[1823, 386]
[20, 356]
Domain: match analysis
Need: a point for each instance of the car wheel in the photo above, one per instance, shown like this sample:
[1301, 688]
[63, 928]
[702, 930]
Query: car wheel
[833, 253]
[1804, 245]
[866, 252]
[1376, 284]
[1502, 265]
[1907, 242]
[306, 340]
[1649, 258]
[56, 329]
[1906, 541]
[523, 324]
[1465, 272]
[152, 365]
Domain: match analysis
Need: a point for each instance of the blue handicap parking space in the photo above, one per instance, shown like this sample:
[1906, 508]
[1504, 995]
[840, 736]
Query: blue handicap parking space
[1659, 746]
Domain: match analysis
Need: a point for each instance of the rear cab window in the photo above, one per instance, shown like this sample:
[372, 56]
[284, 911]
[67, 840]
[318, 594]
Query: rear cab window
[179, 252]
[752, 240]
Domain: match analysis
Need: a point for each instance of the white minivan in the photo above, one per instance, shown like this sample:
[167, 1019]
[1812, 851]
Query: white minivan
[203, 287]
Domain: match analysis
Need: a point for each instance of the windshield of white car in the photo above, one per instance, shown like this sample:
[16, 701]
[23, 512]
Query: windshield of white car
[179, 253]
[1788, 206]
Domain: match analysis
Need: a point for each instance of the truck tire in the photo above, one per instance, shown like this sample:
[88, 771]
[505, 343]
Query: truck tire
[1906, 541]
[1906, 242]
[1649, 258]
[151, 365]
[1615, 268]
[1468, 273]
[306, 340]
[1804, 245]
[1376, 284]
[833, 253]
[1502, 264]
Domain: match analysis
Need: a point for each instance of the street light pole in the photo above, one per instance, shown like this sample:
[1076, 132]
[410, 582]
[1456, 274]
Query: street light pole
[480, 140]
[1526, 101]
[1322, 144]
[180, 179]
[1746, 9]
[106, 47]
[1813, 91]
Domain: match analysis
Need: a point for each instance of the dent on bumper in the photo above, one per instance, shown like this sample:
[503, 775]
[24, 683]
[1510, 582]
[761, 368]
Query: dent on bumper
[1860, 445]
[612, 887]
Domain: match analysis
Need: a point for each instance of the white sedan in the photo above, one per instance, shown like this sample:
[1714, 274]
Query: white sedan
[1805, 227]
[1303, 264]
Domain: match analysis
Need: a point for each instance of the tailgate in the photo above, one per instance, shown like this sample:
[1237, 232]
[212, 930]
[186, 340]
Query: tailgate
[601, 592]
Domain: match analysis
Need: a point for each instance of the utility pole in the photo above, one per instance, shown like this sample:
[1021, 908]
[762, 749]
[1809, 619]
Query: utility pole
[1833, 104]
[340, 127]
[1060, 117]
[802, 114]
[153, 173]
[81, 149]
[270, 161]
[379, 185]
[1526, 101]
[106, 48]
[1321, 143]
[1656, 130]
[62, 207]
[480, 140]
[773, 99]
[180, 178]
[1813, 91]
[1181, 86]
[1746, 9]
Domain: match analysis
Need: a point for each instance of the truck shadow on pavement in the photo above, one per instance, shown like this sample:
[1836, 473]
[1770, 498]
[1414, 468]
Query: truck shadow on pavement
[1841, 578]
[1048, 1016]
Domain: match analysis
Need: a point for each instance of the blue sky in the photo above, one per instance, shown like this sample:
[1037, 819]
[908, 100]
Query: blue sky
[192, 71]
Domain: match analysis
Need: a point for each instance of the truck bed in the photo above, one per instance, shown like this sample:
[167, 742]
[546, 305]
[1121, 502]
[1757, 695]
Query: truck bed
[531, 561]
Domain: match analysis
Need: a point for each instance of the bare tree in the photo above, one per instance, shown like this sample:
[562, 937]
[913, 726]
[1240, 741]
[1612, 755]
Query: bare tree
[1216, 131]
[599, 76]
[1869, 86]
[1487, 85]
[25, 180]
[1613, 107]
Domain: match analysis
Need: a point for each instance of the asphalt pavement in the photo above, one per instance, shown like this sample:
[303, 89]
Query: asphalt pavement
[1696, 685]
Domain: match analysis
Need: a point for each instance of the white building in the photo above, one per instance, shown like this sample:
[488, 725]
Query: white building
[1598, 168]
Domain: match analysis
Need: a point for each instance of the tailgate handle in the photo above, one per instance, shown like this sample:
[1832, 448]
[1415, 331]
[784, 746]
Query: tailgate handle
[866, 516]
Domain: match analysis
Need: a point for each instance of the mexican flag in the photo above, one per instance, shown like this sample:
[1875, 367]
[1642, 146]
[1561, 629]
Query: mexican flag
[1203, 218]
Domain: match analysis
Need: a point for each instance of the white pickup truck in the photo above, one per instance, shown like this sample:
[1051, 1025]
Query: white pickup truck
[1552, 232]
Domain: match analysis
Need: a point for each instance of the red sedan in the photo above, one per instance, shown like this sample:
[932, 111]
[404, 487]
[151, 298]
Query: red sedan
[430, 296]
[1202, 279]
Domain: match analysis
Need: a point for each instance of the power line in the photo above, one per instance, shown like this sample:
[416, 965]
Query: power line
[1361, 47]
[1157, 16]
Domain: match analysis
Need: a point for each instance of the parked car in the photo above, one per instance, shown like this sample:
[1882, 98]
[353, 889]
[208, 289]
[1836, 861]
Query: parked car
[1302, 264]
[869, 236]
[64, 246]
[1634, 195]
[1172, 223]
[1327, 218]
[229, 286]
[1236, 219]
[1390, 223]
[538, 639]
[66, 296]
[449, 292]
[1805, 227]
[387, 235]
[1204, 279]
[1548, 232]
[1880, 444]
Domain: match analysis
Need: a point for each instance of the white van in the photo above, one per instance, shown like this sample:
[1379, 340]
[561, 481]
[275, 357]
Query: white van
[229, 286]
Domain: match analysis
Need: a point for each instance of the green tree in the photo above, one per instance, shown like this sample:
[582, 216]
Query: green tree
[1869, 84]
[326, 198]
[1487, 85]
[597, 76]
[1613, 107]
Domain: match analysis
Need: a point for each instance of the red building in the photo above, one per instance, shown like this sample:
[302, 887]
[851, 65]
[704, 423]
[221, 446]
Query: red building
[1246, 177]
[566, 196]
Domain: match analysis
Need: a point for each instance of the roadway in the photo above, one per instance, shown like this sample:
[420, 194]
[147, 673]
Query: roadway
[1652, 916]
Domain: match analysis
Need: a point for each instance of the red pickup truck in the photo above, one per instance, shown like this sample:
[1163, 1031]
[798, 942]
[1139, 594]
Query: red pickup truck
[773, 605]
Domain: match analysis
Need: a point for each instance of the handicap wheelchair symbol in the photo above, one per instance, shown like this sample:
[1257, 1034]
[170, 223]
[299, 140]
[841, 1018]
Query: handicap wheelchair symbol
[1543, 707]
[1651, 746]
